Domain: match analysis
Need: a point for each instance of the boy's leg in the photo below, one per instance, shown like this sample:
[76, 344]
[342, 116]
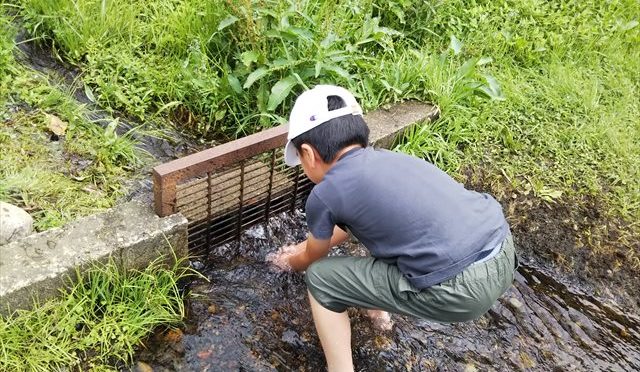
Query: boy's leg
[337, 283]
[334, 331]
[340, 282]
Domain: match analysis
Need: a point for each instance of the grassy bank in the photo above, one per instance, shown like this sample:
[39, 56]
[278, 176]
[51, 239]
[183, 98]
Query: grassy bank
[56, 163]
[97, 324]
[545, 93]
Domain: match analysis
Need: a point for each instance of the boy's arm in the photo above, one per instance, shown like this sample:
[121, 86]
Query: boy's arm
[314, 249]
[309, 251]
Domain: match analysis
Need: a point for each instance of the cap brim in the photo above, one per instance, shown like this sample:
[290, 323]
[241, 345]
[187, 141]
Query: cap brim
[291, 155]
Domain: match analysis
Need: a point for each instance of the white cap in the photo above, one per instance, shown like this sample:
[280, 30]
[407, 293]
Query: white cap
[311, 109]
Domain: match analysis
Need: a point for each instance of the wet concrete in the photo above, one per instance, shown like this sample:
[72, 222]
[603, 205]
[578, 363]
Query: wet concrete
[248, 316]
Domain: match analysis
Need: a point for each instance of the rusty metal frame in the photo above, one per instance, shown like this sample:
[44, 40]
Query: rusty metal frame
[167, 176]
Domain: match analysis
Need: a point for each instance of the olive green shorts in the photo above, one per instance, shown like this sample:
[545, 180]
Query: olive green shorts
[341, 282]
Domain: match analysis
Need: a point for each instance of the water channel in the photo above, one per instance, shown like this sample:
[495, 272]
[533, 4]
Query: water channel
[249, 317]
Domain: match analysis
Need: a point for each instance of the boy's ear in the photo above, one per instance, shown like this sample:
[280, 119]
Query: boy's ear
[309, 154]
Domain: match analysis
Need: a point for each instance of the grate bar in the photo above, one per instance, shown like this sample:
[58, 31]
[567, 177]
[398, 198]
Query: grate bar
[240, 207]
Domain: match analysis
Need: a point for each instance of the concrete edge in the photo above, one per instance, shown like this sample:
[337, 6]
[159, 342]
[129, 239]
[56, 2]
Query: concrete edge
[36, 267]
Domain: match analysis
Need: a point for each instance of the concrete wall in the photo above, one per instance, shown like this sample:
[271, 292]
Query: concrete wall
[385, 125]
[38, 266]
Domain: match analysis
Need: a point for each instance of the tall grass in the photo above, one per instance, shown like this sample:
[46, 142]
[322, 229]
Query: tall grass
[221, 67]
[97, 324]
[570, 74]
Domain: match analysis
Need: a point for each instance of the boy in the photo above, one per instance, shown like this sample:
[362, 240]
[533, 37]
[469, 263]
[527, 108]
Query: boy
[438, 251]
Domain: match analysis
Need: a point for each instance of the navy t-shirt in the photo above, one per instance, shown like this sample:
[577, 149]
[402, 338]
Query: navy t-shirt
[407, 212]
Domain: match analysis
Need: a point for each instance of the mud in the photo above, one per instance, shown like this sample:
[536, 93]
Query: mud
[248, 316]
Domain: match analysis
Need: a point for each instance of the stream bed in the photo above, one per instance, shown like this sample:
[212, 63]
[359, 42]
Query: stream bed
[247, 316]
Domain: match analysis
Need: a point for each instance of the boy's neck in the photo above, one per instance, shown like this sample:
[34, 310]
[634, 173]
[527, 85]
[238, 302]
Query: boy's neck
[322, 168]
[342, 152]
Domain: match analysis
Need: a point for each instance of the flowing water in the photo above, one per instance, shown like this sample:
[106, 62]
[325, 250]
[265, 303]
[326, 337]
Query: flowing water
[248, 316]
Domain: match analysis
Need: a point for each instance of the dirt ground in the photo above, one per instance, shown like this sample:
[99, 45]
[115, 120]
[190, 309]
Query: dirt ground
[574, 238]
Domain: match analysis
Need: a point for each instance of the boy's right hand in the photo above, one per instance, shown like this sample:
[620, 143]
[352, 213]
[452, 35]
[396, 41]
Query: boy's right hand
[281, 257]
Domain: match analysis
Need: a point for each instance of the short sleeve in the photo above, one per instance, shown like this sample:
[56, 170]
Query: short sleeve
[319, 217]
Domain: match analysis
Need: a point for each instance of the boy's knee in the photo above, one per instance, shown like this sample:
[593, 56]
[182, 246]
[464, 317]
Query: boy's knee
[321, 287]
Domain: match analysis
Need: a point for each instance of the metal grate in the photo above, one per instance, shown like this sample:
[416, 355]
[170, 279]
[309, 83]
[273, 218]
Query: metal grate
[226, 189]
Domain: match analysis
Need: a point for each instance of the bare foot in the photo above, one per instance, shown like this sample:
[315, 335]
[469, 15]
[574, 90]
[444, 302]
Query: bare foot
[381, 320]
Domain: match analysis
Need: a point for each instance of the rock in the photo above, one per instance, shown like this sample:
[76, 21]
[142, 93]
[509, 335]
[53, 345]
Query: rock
[515, 303]
[197, 265]
[173, 336]
[15, 223]
[143, 367]
[204, 354]
[57, 126]
[212, 309]
[470, 368]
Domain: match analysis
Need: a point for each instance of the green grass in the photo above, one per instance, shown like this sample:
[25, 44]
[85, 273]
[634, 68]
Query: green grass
[97, 324]
[542, 94]
[566, 131]
[6, 56]
[220, 68]
[55, 181]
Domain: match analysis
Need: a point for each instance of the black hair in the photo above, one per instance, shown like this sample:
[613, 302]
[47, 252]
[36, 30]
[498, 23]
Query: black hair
[334, 135]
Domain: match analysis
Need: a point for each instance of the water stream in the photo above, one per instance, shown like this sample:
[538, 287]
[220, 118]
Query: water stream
[248, 316]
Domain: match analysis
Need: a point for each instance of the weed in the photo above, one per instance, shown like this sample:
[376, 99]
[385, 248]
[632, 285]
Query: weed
[98, 322]
[58, 180]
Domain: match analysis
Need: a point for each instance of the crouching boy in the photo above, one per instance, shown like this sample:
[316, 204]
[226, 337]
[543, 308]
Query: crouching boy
[438, 251]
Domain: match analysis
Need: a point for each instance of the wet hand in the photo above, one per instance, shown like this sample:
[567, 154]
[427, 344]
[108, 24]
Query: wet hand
[280, 258]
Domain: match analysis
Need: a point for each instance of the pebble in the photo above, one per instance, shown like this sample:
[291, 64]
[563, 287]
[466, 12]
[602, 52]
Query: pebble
[470, 368]
[143, 367]
[173, 335]
[197, 265]
[515, 303]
